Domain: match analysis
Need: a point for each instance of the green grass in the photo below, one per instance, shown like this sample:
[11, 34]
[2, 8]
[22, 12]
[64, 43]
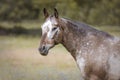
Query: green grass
[20, 60]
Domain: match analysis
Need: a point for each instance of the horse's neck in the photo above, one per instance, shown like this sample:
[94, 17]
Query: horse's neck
[69, 43]
[71, 39]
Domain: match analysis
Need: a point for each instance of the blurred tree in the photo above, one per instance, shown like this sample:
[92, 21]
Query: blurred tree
[100, 12]
[17, 10]
[69, 8]
[86, 6]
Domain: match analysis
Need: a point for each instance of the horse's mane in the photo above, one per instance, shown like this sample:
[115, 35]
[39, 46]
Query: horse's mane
[78, 26]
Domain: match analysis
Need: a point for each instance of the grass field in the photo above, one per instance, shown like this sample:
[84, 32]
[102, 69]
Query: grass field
[20, 60]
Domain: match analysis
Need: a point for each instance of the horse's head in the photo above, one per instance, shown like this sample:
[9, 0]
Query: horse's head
[51, 33]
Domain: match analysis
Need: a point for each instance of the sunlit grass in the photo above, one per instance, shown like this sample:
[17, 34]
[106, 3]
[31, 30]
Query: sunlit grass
[20, 60]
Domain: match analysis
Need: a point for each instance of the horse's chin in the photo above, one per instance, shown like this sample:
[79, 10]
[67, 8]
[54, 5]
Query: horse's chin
[45, 53]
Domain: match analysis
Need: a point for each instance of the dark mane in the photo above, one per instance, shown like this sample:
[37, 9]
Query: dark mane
[79, 26]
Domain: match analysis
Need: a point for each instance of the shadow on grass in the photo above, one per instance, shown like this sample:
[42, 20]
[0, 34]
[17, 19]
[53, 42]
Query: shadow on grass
[19, 30]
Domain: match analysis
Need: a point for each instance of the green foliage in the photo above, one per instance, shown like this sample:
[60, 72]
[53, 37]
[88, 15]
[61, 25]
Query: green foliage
[98, 12]
[17, 10]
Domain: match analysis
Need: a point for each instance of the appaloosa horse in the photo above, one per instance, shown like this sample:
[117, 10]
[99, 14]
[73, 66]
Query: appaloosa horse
[96, 53]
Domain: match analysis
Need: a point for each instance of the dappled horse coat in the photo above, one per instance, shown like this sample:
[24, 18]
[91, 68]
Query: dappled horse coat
[96, 53]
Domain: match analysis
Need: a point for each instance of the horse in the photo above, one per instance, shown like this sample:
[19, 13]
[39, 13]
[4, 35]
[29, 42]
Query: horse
[96, 52]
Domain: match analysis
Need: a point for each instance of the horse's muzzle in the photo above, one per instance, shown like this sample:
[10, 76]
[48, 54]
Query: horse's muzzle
[43, 50]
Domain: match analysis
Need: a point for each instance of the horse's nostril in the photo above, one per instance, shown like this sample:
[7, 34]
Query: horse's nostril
[41, 48]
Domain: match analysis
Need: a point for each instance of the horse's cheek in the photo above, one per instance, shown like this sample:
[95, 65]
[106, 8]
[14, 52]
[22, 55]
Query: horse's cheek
[50, 41]
[58, 37]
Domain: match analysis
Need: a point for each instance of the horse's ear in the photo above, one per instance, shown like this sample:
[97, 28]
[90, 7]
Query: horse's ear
[55, 13]
[45, 13]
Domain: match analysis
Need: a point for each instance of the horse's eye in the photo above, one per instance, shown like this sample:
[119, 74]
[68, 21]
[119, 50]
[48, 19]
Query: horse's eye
[54, 28]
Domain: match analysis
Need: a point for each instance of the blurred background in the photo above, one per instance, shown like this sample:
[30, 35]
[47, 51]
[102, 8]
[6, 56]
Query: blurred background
[20, 32]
